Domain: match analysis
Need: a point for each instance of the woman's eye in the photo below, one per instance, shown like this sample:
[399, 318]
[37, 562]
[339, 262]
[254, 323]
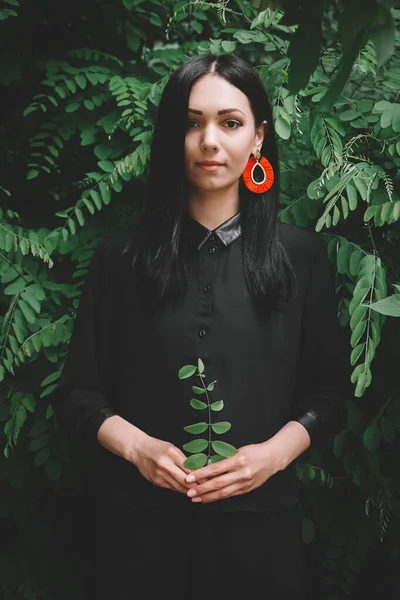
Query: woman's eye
[232, 124]
[191, 123]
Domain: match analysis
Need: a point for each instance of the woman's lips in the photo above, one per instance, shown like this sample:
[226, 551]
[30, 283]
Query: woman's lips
[208, 167]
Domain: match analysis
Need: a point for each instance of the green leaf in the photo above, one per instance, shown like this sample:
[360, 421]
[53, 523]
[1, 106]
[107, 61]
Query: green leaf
[388, 306]
[72, 107]
[106, 165]
[196, 461]
[155, 20]
[81, 81]
[196, 427]
[210, 386]
[195, 445]
[223, 448]
[89, 205]
[186, 371]
[358, 315]
[41, 457]
[132, 40]
[47, 337]
[345, 207]
[50, 378]
[354, 262]
[282, 128]
[89, 104]
[198, 390]
[216, 406]
[311, 472]
[24, 246]
[29, 402]
[31, 299]
[48, 390]
[105, 191]
[198, 27]
[197, 404]
[383, 35]
[96, 198]
[70, 85]
[102, 151]
[314, 190]
[228, 46]
[200, 365]
[116, 184]
[372, 437]
[340, 444]
[32, 174]
[60, 91]
[16, 287]
[79, 216]
[53, 469]
[357, 333]
[342, 257]
[221, 427]
[129, 4]
[72, 226]
[356, 353]
[307, 530]
[38, 442]
[348, 115]
[27, 311]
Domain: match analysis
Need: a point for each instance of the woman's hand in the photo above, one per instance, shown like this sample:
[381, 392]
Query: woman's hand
[239, 474]
[161, 463]
[158, 461]
[251, 466]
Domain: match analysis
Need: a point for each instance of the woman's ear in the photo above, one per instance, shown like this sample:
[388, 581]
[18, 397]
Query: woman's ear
[261, 132]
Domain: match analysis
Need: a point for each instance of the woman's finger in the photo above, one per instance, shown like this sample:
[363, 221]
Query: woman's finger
[176, 478]
[213, 485]
[215, 495]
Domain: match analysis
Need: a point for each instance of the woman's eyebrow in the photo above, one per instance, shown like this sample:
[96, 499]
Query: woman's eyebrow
[220, 112]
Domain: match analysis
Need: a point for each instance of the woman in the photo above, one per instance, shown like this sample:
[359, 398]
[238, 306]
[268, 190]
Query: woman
[208, 273]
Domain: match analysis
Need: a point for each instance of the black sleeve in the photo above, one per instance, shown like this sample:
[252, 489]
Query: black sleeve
[81, 400]
[323, 378]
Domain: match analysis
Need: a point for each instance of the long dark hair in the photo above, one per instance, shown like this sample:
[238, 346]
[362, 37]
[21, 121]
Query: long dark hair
[157, 239]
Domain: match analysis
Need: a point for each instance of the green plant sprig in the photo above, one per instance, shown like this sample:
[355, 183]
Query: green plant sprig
[197, 447]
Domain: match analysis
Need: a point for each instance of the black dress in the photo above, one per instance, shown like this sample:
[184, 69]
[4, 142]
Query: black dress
[269, 368]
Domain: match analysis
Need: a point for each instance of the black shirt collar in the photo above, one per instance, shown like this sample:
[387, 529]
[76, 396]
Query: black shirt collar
[197, 234]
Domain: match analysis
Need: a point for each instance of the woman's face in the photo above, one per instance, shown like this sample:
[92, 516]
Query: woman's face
[221, 128]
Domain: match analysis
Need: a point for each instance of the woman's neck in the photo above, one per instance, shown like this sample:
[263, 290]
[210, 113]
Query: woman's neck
[212, 209]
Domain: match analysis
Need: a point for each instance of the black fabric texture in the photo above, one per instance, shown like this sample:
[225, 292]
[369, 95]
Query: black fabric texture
[269, 368]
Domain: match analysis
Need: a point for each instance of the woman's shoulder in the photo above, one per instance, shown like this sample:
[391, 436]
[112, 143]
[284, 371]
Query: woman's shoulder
[300, 242]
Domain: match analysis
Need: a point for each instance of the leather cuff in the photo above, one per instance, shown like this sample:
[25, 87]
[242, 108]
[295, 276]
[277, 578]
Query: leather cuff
[310, 420]
[93, 425]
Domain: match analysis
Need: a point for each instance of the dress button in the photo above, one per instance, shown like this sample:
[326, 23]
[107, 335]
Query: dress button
[212, 250]
[206, 289]
[202, 333]
[212, 238]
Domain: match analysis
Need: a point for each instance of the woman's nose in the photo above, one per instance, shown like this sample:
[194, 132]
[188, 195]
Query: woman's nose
[210, 138]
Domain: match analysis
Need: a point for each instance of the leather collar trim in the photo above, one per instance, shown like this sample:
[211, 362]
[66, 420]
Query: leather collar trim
[197, 234]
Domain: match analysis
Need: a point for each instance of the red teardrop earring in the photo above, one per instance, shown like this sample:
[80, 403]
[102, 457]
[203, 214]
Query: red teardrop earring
[254, 162]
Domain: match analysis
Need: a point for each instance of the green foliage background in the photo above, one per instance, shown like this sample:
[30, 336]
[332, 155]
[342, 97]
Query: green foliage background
[80, 83]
